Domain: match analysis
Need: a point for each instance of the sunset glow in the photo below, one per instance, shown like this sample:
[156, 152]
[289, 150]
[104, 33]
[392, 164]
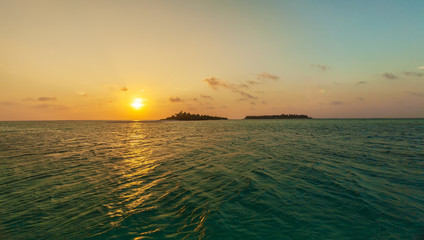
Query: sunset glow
[87, 59]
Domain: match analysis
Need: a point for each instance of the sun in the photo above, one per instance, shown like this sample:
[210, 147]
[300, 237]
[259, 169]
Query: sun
[137, 103]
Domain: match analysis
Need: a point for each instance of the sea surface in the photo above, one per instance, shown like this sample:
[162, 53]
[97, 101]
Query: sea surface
[235, 179]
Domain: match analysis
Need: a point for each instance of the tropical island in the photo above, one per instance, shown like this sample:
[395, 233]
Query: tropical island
[282, 116]
[183, 116]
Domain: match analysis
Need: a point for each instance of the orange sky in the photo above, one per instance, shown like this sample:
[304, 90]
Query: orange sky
[76, 60]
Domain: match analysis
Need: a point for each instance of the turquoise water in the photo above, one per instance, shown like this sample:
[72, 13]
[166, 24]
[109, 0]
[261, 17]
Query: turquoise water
[236, 179]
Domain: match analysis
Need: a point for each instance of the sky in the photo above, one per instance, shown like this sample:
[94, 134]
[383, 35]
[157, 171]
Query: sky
[146, 60]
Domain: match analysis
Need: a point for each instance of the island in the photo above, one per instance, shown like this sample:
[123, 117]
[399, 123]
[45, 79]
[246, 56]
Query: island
[183, 116]
[282, 116]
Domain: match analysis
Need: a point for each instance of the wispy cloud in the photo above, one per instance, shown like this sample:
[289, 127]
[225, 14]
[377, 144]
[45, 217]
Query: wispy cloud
[175, 99]
[415, 94]
[253, 82]
[46, 99]
[320, 66]
[247, 95]
[216, 83]
[389, 75]
[361, 82]
[261, 78]
[124, 89]
[336, 103]
[51, 107]
[265, 75]
[41, 99]
[413, 74]
[8, 103]
[206, 97]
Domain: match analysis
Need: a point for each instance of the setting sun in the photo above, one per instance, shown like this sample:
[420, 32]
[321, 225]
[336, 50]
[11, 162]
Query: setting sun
[137, 103]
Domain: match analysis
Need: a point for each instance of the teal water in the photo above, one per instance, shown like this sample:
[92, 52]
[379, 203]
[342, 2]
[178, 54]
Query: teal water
[236, 179]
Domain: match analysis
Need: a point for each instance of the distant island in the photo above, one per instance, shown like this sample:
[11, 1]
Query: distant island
[282, 116]
[183, 116]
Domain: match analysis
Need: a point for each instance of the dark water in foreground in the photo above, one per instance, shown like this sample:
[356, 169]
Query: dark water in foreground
[237, 179]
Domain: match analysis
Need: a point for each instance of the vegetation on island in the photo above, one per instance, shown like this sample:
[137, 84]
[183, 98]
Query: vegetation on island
[183, 116]
[282, 116]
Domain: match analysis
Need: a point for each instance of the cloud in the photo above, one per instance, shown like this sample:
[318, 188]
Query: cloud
[253, 82]
[415, 94]
[246, 95]
[336, 103]
[175, 99]
[46, 99]
[124, 89]
[8, 103]
[265, 75]
[413, 74]
[320, 66]
[361, 82]
[360, 99]
[216, 83]
[41, 99]
[50, 107]
[206, 97]
[261, 78]
[389, 75]
[422, 67]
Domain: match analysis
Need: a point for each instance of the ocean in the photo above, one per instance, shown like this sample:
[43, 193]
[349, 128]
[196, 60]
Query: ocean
[235, 179]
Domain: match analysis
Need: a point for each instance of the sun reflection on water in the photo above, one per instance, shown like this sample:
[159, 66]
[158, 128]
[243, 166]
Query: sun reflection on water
[134, 169]
[150, 189]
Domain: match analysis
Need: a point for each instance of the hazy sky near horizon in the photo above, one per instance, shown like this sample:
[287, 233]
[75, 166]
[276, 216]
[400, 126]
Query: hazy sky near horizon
[90, 59]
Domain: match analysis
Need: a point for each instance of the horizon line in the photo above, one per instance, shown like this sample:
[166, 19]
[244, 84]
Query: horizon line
[157, 120]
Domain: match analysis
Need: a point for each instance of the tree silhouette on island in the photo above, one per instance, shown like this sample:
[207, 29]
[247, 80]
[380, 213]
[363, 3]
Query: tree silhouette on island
[282, 116]
[183, 116]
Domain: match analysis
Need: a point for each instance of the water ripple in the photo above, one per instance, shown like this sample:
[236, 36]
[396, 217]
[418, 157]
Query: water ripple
[317, 179]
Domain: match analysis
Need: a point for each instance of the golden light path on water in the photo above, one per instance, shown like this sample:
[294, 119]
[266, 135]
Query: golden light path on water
[142, 189]
[134, 167]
